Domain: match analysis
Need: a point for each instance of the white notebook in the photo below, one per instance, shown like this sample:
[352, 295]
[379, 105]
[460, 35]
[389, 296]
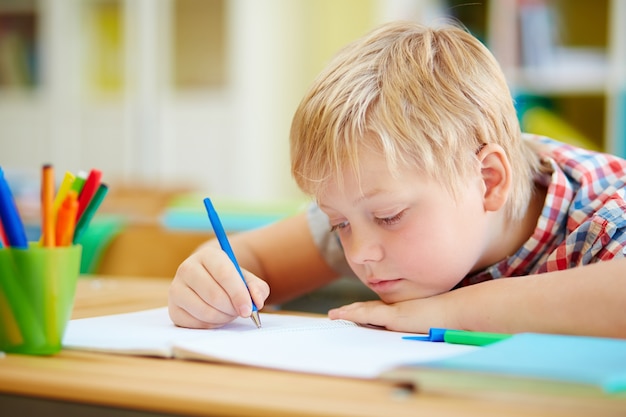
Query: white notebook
[315, 345]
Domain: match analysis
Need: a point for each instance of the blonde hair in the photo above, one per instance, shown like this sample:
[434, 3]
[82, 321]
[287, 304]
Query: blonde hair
[423, 97]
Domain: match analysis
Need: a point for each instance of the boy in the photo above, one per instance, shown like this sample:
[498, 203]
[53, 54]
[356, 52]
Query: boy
[428, 192]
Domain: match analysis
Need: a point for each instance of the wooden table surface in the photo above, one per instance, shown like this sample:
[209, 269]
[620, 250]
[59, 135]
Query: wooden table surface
[168, 386]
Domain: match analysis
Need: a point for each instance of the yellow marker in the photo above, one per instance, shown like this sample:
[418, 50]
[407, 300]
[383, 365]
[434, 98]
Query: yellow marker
[65, 186]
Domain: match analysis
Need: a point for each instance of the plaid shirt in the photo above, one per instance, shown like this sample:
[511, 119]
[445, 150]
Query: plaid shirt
[583, 219]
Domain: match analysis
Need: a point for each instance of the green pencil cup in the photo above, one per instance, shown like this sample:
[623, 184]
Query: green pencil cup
[37, 289]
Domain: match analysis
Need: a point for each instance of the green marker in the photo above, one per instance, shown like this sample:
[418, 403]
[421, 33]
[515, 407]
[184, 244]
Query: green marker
[89, 212]
[79, 182]
[460, 337]
[464, 337]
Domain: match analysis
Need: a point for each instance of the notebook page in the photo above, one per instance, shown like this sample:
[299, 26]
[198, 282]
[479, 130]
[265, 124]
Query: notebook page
[286, 342]
[152, 333]
[336, 348]
[148, 332]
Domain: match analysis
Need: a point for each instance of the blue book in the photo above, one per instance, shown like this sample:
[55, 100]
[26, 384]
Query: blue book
[595, 361]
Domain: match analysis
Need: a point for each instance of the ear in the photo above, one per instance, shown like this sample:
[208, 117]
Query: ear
[496, 176]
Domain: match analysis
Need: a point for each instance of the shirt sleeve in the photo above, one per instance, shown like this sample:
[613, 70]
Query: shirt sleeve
[327, 242]
[595, 226]
[604, 233]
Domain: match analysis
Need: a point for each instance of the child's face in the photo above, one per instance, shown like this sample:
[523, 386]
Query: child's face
[406, 237]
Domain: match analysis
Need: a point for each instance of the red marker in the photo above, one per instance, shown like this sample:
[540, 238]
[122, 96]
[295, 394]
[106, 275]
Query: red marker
[3, 237]
[89, 189]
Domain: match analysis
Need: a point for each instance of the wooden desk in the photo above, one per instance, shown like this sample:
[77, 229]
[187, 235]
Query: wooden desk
[104, 384]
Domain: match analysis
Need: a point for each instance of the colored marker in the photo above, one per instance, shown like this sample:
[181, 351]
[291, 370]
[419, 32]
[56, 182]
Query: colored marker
[89, 190]
[89, 212]
[3, 237]
[47, 206]
[225, 245]
[65, 186]
[66, 219]
[79, 182]
[462, 337]
[10, 218]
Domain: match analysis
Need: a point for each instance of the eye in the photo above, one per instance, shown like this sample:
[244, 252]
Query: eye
[339, 226]
[390, 221]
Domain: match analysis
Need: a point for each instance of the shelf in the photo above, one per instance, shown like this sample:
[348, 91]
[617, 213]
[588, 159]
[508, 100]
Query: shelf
[569, 52]
[19, 55]
[572, 71]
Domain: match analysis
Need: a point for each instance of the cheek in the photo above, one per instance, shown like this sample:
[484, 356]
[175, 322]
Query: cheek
[437, 254]
[434, 269]
[421, 252]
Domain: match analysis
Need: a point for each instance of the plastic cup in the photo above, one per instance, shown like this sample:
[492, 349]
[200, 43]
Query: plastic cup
[37, 289]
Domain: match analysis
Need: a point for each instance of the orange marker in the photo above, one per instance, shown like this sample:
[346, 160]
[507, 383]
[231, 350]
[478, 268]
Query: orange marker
[47, 206]
[66, 219]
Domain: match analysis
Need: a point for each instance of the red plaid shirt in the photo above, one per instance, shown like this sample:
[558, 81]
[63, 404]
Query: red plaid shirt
[583, 219]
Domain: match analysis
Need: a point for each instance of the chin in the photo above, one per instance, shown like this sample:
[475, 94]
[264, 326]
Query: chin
[395, 298]
[392, 298]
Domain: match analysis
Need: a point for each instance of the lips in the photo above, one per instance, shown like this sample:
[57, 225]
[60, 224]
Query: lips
[383, 285]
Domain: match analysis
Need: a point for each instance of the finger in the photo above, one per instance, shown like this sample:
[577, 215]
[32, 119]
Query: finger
[182, 318]
[375, 313]
[204, 291]
[259, 290]
[234, 288]
[196, 313]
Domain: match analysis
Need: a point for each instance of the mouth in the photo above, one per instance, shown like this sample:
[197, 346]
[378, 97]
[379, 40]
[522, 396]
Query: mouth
[384, 285]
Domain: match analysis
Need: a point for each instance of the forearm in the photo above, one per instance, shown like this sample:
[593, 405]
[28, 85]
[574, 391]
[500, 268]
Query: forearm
[587, 300]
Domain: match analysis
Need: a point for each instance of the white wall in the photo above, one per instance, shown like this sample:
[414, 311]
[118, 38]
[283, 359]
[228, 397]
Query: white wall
[229, 141]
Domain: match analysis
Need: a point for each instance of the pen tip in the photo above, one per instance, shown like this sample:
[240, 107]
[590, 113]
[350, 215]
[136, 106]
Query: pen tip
[256, 319]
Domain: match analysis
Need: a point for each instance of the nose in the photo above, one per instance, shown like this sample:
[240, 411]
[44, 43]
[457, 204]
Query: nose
[362, 247]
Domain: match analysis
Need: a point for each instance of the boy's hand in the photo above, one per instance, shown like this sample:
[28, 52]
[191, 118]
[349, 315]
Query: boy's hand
[207, 291]
[411, 316]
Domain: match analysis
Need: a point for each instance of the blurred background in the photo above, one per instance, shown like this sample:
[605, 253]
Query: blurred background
[176, 99]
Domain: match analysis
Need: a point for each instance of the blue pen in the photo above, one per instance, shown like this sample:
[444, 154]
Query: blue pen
[223, 240]
[11, 221]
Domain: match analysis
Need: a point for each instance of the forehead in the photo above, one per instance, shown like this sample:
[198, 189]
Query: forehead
[372, 175]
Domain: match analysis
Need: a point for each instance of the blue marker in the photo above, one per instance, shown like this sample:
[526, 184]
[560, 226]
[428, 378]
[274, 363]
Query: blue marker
[225, 245]
[11, 221]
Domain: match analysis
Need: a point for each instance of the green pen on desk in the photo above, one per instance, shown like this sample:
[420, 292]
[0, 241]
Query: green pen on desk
[464, 337]
[461, 337]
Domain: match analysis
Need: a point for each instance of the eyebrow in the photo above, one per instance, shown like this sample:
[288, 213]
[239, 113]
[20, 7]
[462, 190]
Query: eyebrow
[364, 196]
